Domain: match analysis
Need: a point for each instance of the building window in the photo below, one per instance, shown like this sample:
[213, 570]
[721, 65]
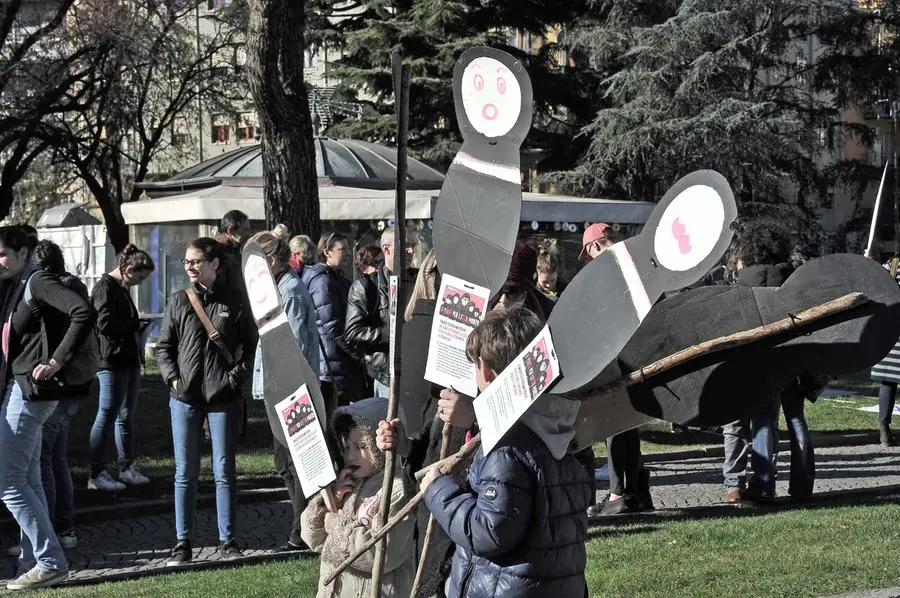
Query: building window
[215, 4]
[220, 128]
[248, 127]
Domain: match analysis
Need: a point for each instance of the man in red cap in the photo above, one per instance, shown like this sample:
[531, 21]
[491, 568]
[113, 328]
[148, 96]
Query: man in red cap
[629, 482]
[595, 240]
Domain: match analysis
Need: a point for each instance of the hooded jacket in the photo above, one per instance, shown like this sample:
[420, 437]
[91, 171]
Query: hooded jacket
[521, 526]
[338, 535]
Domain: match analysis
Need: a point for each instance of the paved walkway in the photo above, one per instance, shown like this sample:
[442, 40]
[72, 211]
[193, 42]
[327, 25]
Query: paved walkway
[138, 545]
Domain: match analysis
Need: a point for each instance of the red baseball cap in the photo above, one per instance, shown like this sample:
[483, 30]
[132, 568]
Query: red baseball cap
[594, 232]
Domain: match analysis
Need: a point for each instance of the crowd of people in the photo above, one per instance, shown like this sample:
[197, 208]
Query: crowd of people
[514, 525]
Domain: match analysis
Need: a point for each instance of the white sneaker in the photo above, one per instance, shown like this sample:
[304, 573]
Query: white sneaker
[68, 540]
[14, 551]
[104, 481]
[37, 578]
[133, 476]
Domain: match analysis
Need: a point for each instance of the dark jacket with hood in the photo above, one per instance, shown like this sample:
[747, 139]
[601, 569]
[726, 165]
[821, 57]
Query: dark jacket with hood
[367, 328]
[117, 324]
[68, 320]
[206, 377]
[329, 288]
[521, 526]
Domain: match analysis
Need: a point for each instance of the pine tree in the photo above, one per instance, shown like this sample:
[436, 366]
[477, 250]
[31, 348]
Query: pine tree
[431, 35]
[722, 85]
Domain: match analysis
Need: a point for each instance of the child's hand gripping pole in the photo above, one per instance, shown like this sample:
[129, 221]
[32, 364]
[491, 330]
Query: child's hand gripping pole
[445, 466]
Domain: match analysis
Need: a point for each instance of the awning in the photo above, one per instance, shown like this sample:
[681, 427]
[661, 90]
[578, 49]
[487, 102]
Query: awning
[351, 203]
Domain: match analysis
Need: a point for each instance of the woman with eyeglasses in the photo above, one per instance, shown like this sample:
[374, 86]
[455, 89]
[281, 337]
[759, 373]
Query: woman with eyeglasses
[329, 289]
[204, 378]
[118, 328]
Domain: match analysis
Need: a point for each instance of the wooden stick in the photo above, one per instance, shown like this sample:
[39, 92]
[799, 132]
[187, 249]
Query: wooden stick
[401, 101]
[447, 466]
[420, 570]
[744, 337]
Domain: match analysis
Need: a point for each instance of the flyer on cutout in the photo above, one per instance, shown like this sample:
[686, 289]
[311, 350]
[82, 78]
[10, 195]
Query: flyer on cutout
[306, 441]
[461, 306]
[516, 388]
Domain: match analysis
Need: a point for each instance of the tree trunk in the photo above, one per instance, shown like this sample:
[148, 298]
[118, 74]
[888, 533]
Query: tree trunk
[275, 45]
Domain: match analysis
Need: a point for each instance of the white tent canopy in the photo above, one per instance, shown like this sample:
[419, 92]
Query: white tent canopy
[351, 203]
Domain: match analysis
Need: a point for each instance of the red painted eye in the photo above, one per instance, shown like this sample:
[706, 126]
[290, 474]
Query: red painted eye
[501, 85]
[479, 82]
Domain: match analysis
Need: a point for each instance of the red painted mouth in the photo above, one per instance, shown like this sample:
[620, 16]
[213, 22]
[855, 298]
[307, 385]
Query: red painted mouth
[679, 231]
[489, 112]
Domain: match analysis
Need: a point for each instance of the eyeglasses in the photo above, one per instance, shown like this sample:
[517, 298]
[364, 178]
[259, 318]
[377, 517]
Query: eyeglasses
[193, 263]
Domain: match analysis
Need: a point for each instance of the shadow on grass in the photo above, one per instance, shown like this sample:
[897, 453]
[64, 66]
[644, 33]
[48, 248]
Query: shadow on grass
[623, 525]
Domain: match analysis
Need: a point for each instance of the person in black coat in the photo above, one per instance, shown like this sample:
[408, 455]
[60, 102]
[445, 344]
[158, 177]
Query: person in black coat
[204, 378]
[329, 289]
[367, 328]
[45, 325]
[118, 328]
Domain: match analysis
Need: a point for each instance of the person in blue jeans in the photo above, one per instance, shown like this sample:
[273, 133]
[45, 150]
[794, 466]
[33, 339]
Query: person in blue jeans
[204, 378]
[55, 475]
[118, 328]
[41, 337]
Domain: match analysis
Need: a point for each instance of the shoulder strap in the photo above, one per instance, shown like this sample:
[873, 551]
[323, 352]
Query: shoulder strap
[211, 331]
[30, 303]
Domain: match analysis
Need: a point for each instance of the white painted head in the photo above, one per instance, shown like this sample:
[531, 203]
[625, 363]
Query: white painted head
[492, 96]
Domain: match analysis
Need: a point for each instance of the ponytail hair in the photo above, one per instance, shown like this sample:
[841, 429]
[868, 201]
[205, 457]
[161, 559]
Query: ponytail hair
[136, 258]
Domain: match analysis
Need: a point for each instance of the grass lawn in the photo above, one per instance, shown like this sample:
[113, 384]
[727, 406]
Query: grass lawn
[153, 444]
[822, 549]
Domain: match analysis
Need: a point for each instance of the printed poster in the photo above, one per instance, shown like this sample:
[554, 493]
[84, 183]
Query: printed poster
[393, 284]
[516, 388]
[460, 307]
[306, 441]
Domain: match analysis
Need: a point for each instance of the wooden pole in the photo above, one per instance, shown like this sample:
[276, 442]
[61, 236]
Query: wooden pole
[401, 102]
[445, 448]
[446, 467]
[730, 341]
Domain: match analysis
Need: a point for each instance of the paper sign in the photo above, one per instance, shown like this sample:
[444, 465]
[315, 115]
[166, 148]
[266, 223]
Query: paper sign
[392, 298]
[306, 441]
[261, 289]
[515, 389]
[460, 308]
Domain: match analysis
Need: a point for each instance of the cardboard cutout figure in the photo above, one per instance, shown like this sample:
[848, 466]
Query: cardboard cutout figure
[476, 218]
[721, 387]
[286, 369]
[687, 233]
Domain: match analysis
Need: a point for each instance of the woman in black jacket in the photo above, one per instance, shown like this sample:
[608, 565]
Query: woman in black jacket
[204, 378]
[44, 326]
[120, 368]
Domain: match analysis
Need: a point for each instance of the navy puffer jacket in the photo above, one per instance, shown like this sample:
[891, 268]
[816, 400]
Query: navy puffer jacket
[522, 533]
[328, 288]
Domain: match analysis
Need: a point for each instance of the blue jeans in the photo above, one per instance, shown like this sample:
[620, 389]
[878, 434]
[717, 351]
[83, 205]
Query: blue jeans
[764, 431]
[20, 479]
[803, 460]
[118, 398]
[55, 476]
[187, 437]
[737, 448]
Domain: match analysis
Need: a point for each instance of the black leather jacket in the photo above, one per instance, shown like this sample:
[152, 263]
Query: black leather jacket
[367, 327]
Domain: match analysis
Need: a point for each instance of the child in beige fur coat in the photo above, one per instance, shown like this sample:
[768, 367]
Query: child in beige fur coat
[358, 492]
